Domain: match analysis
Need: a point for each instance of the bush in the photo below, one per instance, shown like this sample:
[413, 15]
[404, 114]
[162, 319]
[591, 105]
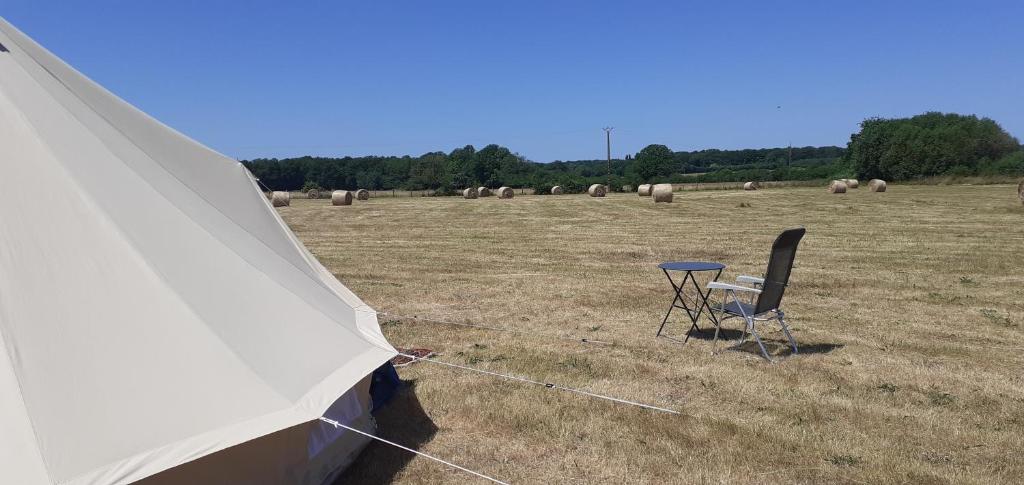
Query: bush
[927, 145]
[1012, 164]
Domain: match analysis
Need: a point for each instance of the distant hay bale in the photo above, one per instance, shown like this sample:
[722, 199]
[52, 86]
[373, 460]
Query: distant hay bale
[644, 190]
[627, 188]
[312, 194]
[556, 190]
[483, 192]
[662, 193]
[469, 193]
[506, 193]
[852, 183]
[341, 197]
[281, 198]
[876, 185]
[362, 194]
[597, 190]
[750, 186]
[837, 187]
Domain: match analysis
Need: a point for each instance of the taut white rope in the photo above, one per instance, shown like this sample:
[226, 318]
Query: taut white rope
[410, 450]
[545, 384]
[488, 327]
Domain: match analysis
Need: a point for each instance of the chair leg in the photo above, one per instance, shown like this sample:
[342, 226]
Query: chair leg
[743, 336]
[785, 330]
[714, 343]
[753, 331]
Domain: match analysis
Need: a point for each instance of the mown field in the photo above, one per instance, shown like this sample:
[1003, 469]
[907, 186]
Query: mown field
[908, 305]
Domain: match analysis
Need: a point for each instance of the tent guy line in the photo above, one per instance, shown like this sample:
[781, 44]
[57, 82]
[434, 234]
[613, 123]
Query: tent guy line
[336, 424]
[548, 385]
[488, 327]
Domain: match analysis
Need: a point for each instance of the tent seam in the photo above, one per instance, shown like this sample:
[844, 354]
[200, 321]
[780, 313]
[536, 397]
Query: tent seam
[7, 347]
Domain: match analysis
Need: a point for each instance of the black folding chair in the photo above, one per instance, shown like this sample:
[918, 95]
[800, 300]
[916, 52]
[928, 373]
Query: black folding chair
[767, 290]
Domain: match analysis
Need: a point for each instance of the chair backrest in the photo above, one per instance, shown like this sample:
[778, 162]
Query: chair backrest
[780, 264]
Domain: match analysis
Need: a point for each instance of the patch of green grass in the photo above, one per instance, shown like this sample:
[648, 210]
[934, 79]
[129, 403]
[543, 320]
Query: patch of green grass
[843, 460]
[994, 317]
[939, 398]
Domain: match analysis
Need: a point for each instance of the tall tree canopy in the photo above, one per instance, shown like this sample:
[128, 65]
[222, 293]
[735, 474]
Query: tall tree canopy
[928, 144]
[654, 161]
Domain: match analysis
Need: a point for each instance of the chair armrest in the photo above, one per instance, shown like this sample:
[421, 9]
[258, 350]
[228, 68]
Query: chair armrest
[750, 279]
[715, 285]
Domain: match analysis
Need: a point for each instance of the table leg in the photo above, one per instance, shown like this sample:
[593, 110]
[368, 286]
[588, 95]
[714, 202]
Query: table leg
[704, 297]
[689, 312]
[671, 307]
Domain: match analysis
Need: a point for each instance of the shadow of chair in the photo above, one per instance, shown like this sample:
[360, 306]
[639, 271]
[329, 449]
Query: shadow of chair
[402, 421]
[781, 348]
[775, 347]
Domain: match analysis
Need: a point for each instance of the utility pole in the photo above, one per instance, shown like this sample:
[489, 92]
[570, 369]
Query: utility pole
[608, 143]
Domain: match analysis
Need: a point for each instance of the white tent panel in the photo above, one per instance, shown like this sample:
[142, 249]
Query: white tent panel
[153, 307]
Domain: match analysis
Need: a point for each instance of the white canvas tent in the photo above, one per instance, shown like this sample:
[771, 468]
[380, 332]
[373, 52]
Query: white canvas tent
[157, 317]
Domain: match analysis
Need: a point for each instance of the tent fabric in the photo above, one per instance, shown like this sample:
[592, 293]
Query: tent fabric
[154, 308]
[310, 453]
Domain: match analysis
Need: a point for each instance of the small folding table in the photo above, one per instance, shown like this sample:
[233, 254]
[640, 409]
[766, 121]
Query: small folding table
[699, 301]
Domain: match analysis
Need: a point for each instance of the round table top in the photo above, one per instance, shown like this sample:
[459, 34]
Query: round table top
[691, 266]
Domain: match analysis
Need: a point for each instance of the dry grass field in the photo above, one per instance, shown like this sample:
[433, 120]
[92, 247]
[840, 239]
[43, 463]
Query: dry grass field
[908, 305]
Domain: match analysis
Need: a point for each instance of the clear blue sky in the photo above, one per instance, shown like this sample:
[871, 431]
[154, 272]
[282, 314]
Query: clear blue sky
[254, 78]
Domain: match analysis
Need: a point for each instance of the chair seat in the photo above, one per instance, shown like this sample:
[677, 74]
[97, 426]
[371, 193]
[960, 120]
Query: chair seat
[737, 308]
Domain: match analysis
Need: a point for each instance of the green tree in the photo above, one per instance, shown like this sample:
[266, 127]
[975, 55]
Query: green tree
[654, 161]
[429, 171]
[925, 145]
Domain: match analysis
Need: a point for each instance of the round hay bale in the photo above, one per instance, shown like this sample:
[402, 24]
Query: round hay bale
[644, 190]
[281, 198]
[556, 190]
[483, 192]
[506, 193]
[362, 194]
[469, 193]
[627, 188]
[837, 187]
[750, 186]
[312, 194]
[1020, 191]
[852, 183]
[876, 185]
[341, 197]
[662, 193]
[597, 190]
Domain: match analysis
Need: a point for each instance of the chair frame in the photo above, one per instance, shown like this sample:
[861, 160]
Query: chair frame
[751, 319]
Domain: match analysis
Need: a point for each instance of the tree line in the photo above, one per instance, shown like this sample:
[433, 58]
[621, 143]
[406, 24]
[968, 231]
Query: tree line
[495, 166]
[896, 149]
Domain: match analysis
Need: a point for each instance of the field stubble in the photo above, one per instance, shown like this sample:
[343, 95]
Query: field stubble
[907, 304]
